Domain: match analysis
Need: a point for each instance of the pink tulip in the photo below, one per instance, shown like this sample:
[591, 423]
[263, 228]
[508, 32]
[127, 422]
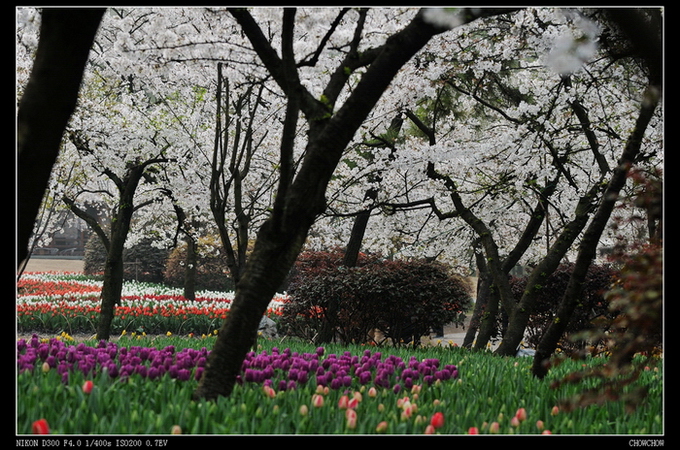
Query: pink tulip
[342, 403]
[514, 421]
[540, 425]
[382, 427]
[555, 411]
[521, 414]
[372, 392]
[176, 429]
[269, 391]
[429, 429]
[494, 427]
[351, 417]
[317, 400]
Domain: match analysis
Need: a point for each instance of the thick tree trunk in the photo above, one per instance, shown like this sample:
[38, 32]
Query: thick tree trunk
[112, 287]
[66, 36]
[588, 247]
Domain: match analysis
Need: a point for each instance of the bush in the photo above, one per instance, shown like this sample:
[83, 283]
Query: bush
[591, 310]
[402, 299]
[212, 273]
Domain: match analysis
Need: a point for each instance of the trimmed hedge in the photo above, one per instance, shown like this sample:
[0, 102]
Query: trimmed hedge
[591, 310]
[402, 299]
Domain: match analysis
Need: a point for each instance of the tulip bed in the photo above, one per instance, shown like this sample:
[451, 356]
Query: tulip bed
[143, 385]
[67, 302]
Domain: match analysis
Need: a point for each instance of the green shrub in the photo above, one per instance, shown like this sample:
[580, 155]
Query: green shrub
[402, 299]
[212, 271]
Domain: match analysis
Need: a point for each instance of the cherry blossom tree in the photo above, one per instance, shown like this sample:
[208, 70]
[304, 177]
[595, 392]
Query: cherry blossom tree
[300, 196]
[524, 117]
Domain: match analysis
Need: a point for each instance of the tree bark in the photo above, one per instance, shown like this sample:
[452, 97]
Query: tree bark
[588, 246]
[66, 36]
[190, 268]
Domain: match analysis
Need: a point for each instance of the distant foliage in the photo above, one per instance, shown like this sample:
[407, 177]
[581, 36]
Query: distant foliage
[143, 262]
[592, 310]
[213, 272]
[401, 299]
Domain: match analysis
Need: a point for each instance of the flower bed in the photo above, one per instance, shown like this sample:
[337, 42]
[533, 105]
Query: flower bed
[279, 369]
[56, 302]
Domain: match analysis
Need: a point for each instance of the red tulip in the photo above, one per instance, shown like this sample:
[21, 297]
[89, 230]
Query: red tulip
[521, 414]
[40, 426]
[437, 420]
[473, 430]
[87, 386]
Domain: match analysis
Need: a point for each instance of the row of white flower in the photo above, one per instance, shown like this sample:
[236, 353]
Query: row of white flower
[147, 292]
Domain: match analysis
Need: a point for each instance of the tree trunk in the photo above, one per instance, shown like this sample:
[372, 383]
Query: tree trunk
[480, 304]
[588, 247]
[66, 36]
[112, 286]
[190, 268]
[519, 317]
